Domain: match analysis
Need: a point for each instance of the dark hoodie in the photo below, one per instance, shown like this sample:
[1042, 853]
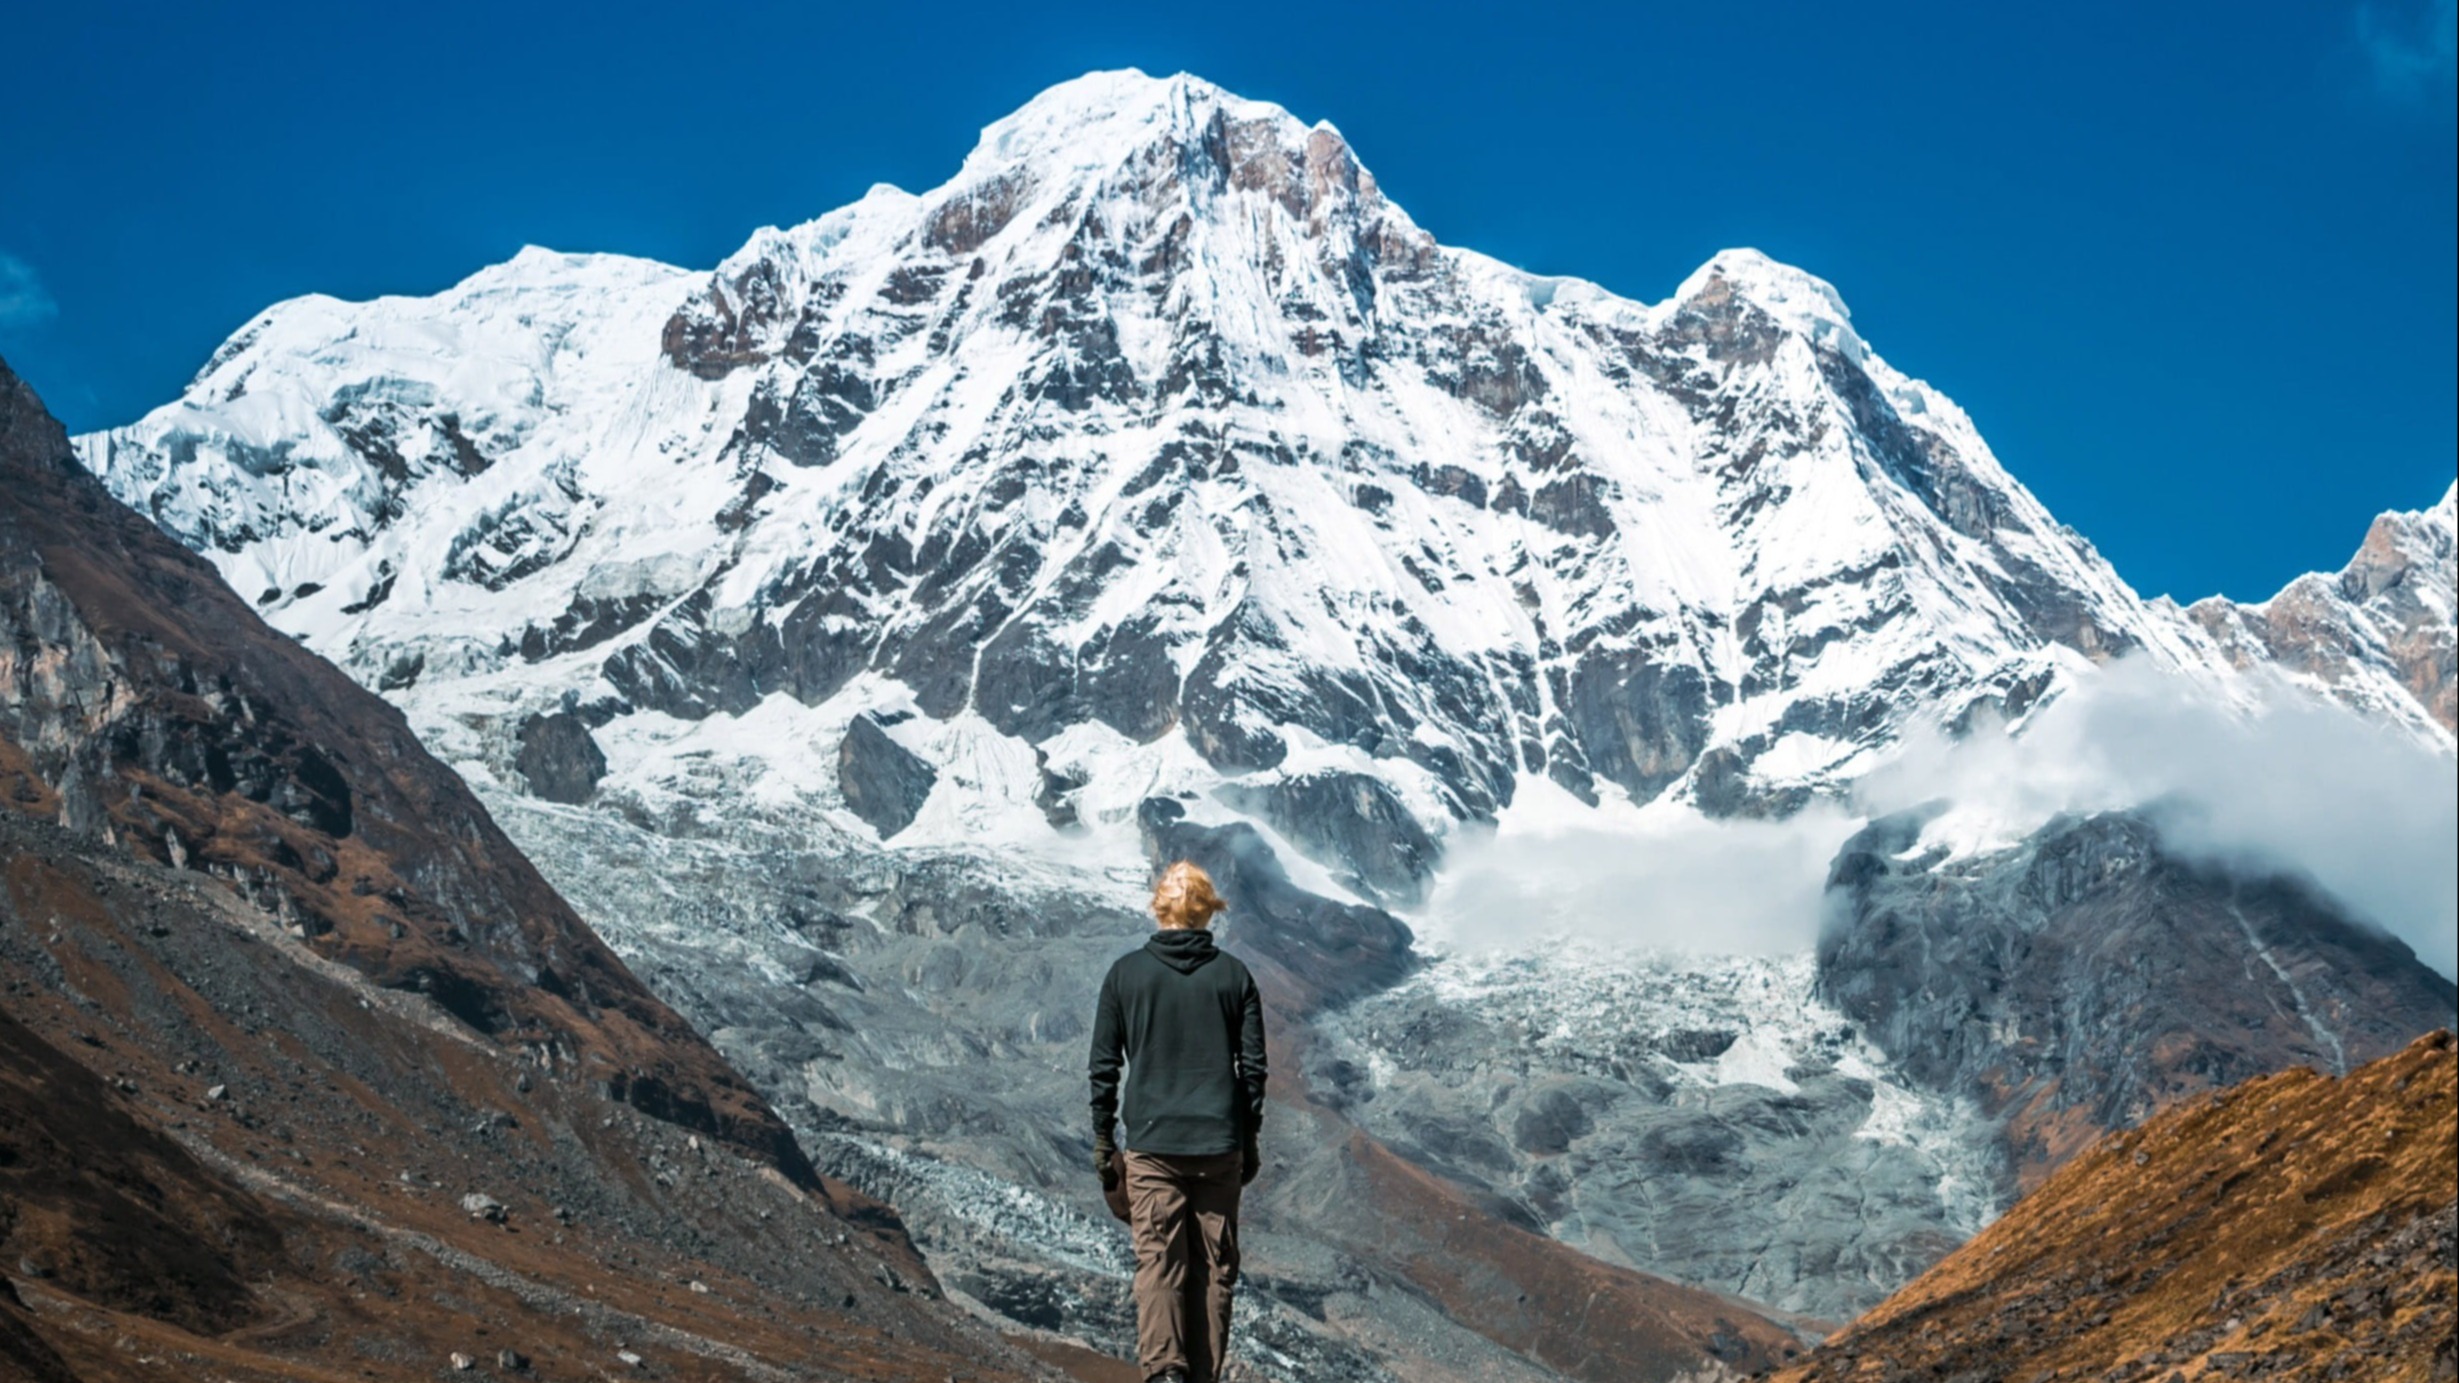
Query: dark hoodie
[1184, 1018]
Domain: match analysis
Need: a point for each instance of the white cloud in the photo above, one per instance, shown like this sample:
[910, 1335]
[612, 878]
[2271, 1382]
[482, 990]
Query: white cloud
[24, 302]
[1664, 881]
[2295, 785]
[2298, 785]
[2410, 56]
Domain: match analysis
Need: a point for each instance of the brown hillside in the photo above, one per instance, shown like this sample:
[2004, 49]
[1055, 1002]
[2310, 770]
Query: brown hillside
[2294, 1227]
[307, 1074]
[142, 701]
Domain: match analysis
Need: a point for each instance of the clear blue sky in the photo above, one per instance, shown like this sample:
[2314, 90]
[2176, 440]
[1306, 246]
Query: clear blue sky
[2189, 266]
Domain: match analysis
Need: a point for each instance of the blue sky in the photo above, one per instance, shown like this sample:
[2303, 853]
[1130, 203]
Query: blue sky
[2190, 267]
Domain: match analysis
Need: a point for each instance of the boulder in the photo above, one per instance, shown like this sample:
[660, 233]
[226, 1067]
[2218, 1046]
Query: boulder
[884, 782]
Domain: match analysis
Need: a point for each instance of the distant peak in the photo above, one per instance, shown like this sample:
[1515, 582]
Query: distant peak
[1801, 300]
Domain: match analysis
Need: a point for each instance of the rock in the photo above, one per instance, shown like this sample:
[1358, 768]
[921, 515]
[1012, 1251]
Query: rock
[511, 1360]
[884, 782]
[1548, 1123]
[1696, 1044]
[1053, 792]
[217, 1092]
[33, 1268]
[559, 758]
[1992, 980]
[1351, 823]
[485, 1207]
[463, 1363]
[627, 1358]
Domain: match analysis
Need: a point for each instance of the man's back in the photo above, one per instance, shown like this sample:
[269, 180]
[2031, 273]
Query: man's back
[1185, 1019]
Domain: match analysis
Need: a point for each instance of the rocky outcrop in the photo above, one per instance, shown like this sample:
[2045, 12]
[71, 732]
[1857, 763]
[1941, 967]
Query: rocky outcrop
[2298, 1227]
[884, 782]
[2375, 632]
[165, 716]
[559, 759]
[1353, 822]
[2089, 977]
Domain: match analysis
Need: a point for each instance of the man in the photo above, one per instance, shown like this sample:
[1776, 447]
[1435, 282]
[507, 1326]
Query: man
[1184, 1019]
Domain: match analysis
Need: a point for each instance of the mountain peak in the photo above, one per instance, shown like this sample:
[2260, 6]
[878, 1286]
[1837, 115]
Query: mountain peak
[1098, 118]
[1801, 300]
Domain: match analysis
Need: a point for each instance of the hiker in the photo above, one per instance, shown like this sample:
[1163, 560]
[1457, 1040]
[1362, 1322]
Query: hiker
[1185, 1020]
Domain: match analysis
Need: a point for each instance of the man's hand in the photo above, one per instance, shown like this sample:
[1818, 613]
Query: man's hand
[1106, 1163]
[1250, 1160]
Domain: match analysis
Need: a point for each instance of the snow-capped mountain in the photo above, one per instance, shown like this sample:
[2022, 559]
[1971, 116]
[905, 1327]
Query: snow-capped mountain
[1156, 451]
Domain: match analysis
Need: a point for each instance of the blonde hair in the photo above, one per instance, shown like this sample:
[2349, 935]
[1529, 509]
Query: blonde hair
[1184, 897]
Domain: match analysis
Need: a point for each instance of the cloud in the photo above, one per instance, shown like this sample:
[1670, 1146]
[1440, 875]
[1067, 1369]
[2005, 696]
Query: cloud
[1667, 882]
[2292, 785]
[2410, 56]
[2297, 785]
[24, 302]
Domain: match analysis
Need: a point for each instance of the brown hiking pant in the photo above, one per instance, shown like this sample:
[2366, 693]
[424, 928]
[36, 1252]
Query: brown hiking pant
[1184, 1214]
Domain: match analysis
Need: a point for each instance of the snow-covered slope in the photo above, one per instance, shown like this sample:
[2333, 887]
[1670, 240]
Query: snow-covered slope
[1156, 451]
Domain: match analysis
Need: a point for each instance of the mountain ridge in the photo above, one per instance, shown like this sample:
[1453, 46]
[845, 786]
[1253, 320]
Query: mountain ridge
[910, 449]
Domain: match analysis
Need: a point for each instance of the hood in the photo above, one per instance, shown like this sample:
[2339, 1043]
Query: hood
[1183, 951]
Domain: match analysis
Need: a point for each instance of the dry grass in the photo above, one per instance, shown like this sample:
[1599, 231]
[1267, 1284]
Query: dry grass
[2295, 1227]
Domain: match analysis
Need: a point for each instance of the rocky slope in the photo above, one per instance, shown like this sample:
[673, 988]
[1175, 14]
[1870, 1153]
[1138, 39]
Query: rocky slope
[2080, 981]
[924, 1020]
[2376, 634]
[2299, 1226]
[277, 1000]
[1669, 1110]
[844, 629]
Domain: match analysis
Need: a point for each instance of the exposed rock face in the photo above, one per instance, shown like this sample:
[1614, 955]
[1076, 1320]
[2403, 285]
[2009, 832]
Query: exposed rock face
[559, 759]
[884, 782]
[2298, 1227]
[2088, 977]
[277, 1000]
[2377, 631]
[138, 691]
[1352, 820]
